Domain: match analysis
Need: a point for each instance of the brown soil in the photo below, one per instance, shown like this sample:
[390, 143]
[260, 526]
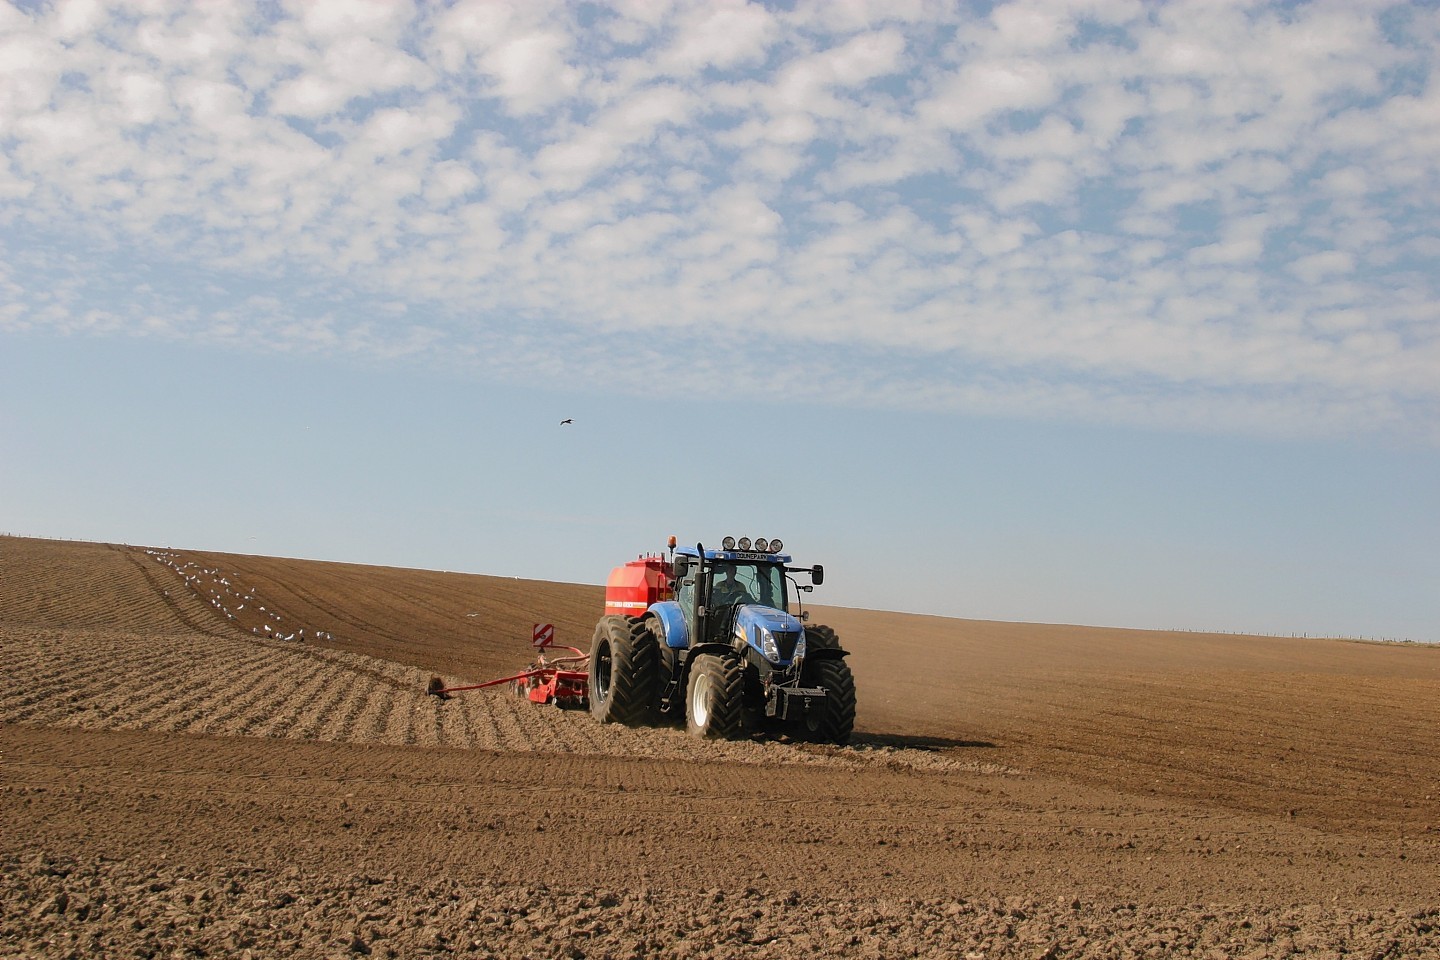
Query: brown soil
[178, 780]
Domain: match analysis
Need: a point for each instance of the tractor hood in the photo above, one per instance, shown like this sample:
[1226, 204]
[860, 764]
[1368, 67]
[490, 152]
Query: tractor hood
[775, 634]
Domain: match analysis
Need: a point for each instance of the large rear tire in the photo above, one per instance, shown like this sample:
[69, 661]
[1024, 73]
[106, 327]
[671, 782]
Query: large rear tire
[622, 672]
[834, 720]
[713, 697]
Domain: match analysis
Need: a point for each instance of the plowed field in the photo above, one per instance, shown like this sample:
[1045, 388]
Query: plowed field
[209, 754]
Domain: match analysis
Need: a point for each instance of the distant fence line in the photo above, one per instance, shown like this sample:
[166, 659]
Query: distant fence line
[1303, 636]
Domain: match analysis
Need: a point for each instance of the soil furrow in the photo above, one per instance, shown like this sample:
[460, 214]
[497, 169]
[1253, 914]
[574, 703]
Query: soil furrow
[325, 703]
[233, 704]
[167, 677]
[38, 671]
[200, 691]
[353, 695]
[379, 717]
[62, 677]
[305, 683]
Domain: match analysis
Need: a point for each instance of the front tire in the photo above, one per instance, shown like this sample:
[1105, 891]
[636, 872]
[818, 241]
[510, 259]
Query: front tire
[714, 696]
[622, 672]
[835, 720]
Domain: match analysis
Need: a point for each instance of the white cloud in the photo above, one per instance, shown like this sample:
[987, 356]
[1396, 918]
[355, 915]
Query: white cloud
[1321, 266]
[1242, 242]
[74, 18]
[982, 89]
[143, 99]
[341, 18]
[450, 179]
[522, 52]
[1348, 182]
[310, 95]
[339, 69]
[721, 34]
[399, 130]
[1023, 27]
[29, 69]
[740, 211]
[638, 115]
[531, 71]
[862, 58]
[192, 37]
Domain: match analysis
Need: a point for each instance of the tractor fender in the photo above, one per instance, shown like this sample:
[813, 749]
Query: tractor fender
[672, 623]
[827, 653]
[719, 649]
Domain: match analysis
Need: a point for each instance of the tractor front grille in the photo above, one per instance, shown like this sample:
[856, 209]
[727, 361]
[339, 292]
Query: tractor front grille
[785, 641]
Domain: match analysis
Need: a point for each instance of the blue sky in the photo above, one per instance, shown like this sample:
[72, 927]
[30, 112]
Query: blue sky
[1096, 312]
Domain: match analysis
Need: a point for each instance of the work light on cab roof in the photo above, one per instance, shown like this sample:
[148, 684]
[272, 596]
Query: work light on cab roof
[760, 544]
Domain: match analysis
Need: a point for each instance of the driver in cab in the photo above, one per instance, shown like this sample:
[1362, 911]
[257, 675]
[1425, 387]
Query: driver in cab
[729, 590]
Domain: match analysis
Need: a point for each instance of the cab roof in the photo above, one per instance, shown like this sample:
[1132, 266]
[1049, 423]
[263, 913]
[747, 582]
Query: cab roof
[751, 556]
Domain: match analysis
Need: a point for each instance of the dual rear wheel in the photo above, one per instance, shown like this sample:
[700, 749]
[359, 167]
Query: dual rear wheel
[623, 672]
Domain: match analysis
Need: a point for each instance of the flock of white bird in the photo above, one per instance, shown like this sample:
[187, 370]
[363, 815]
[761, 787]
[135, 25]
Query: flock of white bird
[216, 589]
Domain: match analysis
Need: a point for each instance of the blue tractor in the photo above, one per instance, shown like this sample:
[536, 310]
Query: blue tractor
[707, 636]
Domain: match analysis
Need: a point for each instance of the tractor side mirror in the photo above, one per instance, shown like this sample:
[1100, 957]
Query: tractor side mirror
[817, 574]
[682, 566]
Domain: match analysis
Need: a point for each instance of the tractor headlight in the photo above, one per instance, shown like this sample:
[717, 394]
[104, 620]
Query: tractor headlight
[762, 545]
[744, 543]
[768, 645]
[728, 543]
[776, 546]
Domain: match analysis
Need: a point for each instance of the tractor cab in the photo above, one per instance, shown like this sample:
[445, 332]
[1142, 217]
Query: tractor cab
[738, 594]
[728, 585]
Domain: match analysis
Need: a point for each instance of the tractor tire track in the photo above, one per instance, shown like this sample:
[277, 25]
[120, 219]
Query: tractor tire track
[191, 619]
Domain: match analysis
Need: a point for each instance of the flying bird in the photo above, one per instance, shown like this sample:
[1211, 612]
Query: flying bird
[565, 421]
